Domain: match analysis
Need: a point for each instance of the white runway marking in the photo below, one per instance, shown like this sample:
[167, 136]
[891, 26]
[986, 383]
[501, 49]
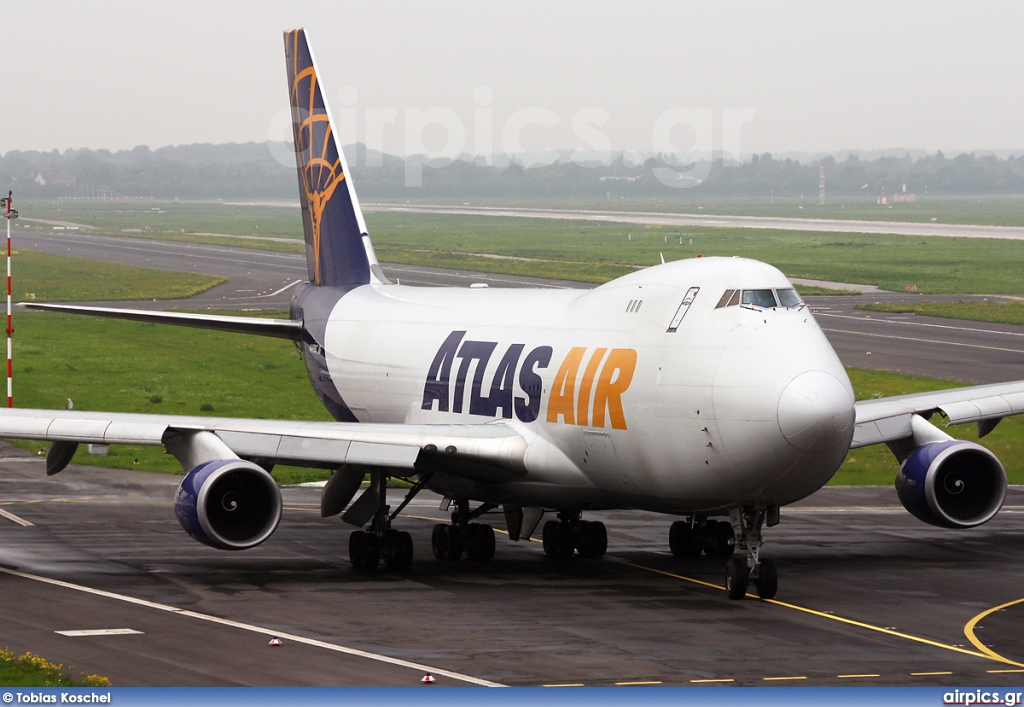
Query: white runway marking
[256, 629]
[100, 632]
[277, 292]
[925, 324]
[20, 521]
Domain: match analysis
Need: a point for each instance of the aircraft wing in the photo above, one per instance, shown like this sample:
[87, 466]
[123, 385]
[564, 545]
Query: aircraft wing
[279, 328]
[889, 419]
[488, 452]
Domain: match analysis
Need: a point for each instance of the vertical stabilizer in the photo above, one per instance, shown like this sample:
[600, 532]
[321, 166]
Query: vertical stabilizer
[338, 248]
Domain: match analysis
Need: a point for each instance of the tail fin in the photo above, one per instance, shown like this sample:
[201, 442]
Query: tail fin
[338, 248]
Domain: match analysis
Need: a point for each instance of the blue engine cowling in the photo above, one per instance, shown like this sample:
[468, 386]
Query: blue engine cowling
[953, 484]
[229, 504]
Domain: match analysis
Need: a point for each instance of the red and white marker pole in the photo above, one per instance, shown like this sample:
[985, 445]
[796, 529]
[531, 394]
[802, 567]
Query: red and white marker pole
[10, 329]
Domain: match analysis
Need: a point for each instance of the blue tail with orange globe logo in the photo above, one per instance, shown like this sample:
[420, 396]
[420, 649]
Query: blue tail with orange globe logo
[338, 248]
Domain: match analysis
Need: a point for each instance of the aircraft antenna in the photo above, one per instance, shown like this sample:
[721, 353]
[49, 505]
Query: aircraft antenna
[9, 214]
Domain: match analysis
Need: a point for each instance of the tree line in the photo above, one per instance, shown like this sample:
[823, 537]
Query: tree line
[261, 170]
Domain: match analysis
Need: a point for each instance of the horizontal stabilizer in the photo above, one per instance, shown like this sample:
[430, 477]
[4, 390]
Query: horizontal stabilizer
[280, 328]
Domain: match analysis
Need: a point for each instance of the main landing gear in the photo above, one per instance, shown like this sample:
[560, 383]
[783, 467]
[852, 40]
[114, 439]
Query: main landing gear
[750, 568]
[366, 548]
[689, 538]
[476, 540]
[567, 534]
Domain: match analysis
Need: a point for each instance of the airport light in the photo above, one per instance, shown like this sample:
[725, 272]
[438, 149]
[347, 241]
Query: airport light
[9, 214]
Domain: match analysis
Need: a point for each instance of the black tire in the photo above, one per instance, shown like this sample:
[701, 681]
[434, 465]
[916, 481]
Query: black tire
[675, 533]
[548, 537]
[591, 539]
[685, 541]
[565, 543]
[581, 538]
[736, 577]
[767, 580]
[725, 541]
[371, 552]
[435, 541]
[400, 558]
[451, 543]
[355, 548]
[708, 538]
[485, 537]
[471, 541]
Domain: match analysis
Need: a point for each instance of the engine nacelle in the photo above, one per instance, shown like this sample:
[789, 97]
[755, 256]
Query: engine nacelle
[229, 504]
[952, 484]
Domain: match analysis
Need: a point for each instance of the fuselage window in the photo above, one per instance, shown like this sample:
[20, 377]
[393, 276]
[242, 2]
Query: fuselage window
[759, 298]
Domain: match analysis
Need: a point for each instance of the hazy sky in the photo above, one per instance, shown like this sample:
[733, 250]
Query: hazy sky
[818, 76]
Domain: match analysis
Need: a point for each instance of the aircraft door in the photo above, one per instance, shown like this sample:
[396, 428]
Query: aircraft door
[684, 307]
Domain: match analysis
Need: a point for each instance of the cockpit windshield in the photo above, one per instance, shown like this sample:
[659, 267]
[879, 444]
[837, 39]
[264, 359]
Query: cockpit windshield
[765, 298]
[789, 298]
[759, 298]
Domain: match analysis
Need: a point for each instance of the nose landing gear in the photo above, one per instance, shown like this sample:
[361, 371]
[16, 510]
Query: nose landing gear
[749, 568]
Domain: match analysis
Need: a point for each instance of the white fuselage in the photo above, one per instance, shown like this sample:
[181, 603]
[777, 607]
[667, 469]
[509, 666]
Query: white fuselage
[738, 404]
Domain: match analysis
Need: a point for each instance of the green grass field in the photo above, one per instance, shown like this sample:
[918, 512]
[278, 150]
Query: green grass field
[32, 671]
[597, 252]
[54, 278]
[1000, 312]
[104, 364]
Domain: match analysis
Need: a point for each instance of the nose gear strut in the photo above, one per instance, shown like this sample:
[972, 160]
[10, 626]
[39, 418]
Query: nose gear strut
[747, 567]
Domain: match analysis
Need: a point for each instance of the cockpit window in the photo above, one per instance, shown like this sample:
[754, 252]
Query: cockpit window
[759, 298]
[789, 298]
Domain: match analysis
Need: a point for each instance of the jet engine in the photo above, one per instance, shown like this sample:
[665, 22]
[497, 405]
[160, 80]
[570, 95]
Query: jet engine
[229, 504]
[952, 484]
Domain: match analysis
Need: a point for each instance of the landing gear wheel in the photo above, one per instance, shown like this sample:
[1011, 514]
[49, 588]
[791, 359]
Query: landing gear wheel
[485, 540]
[591, 539]
[478, 541]
[737, 575]
[398, 550]
[435, 541]
[685, 540]
[767, 581]
[725, 541]
[451, 543]
[558, 540]
[364, 550]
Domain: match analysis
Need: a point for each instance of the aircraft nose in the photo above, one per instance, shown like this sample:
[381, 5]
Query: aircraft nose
[816, 412]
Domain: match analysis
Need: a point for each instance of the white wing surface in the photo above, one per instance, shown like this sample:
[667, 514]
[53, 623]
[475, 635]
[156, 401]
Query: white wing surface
[488, 452]
[889, 419]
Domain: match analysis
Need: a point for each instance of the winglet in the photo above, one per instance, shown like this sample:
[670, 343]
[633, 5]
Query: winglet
[338, 248]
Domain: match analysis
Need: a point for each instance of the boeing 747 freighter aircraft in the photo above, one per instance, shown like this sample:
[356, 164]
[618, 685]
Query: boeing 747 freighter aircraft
[703, 389]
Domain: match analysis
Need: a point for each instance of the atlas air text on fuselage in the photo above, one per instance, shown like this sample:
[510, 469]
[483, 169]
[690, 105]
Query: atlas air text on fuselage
[592, 399]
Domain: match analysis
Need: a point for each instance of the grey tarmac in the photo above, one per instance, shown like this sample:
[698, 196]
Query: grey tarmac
[866, 590]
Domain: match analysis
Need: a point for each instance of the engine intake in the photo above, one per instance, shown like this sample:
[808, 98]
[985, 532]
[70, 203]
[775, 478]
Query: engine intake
[953, 484]
[229, 504]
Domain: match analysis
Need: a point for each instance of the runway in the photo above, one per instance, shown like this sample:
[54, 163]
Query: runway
[868, 594]
[900, 228]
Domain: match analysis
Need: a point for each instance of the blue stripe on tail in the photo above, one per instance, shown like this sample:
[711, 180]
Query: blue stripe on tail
[336, 253]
